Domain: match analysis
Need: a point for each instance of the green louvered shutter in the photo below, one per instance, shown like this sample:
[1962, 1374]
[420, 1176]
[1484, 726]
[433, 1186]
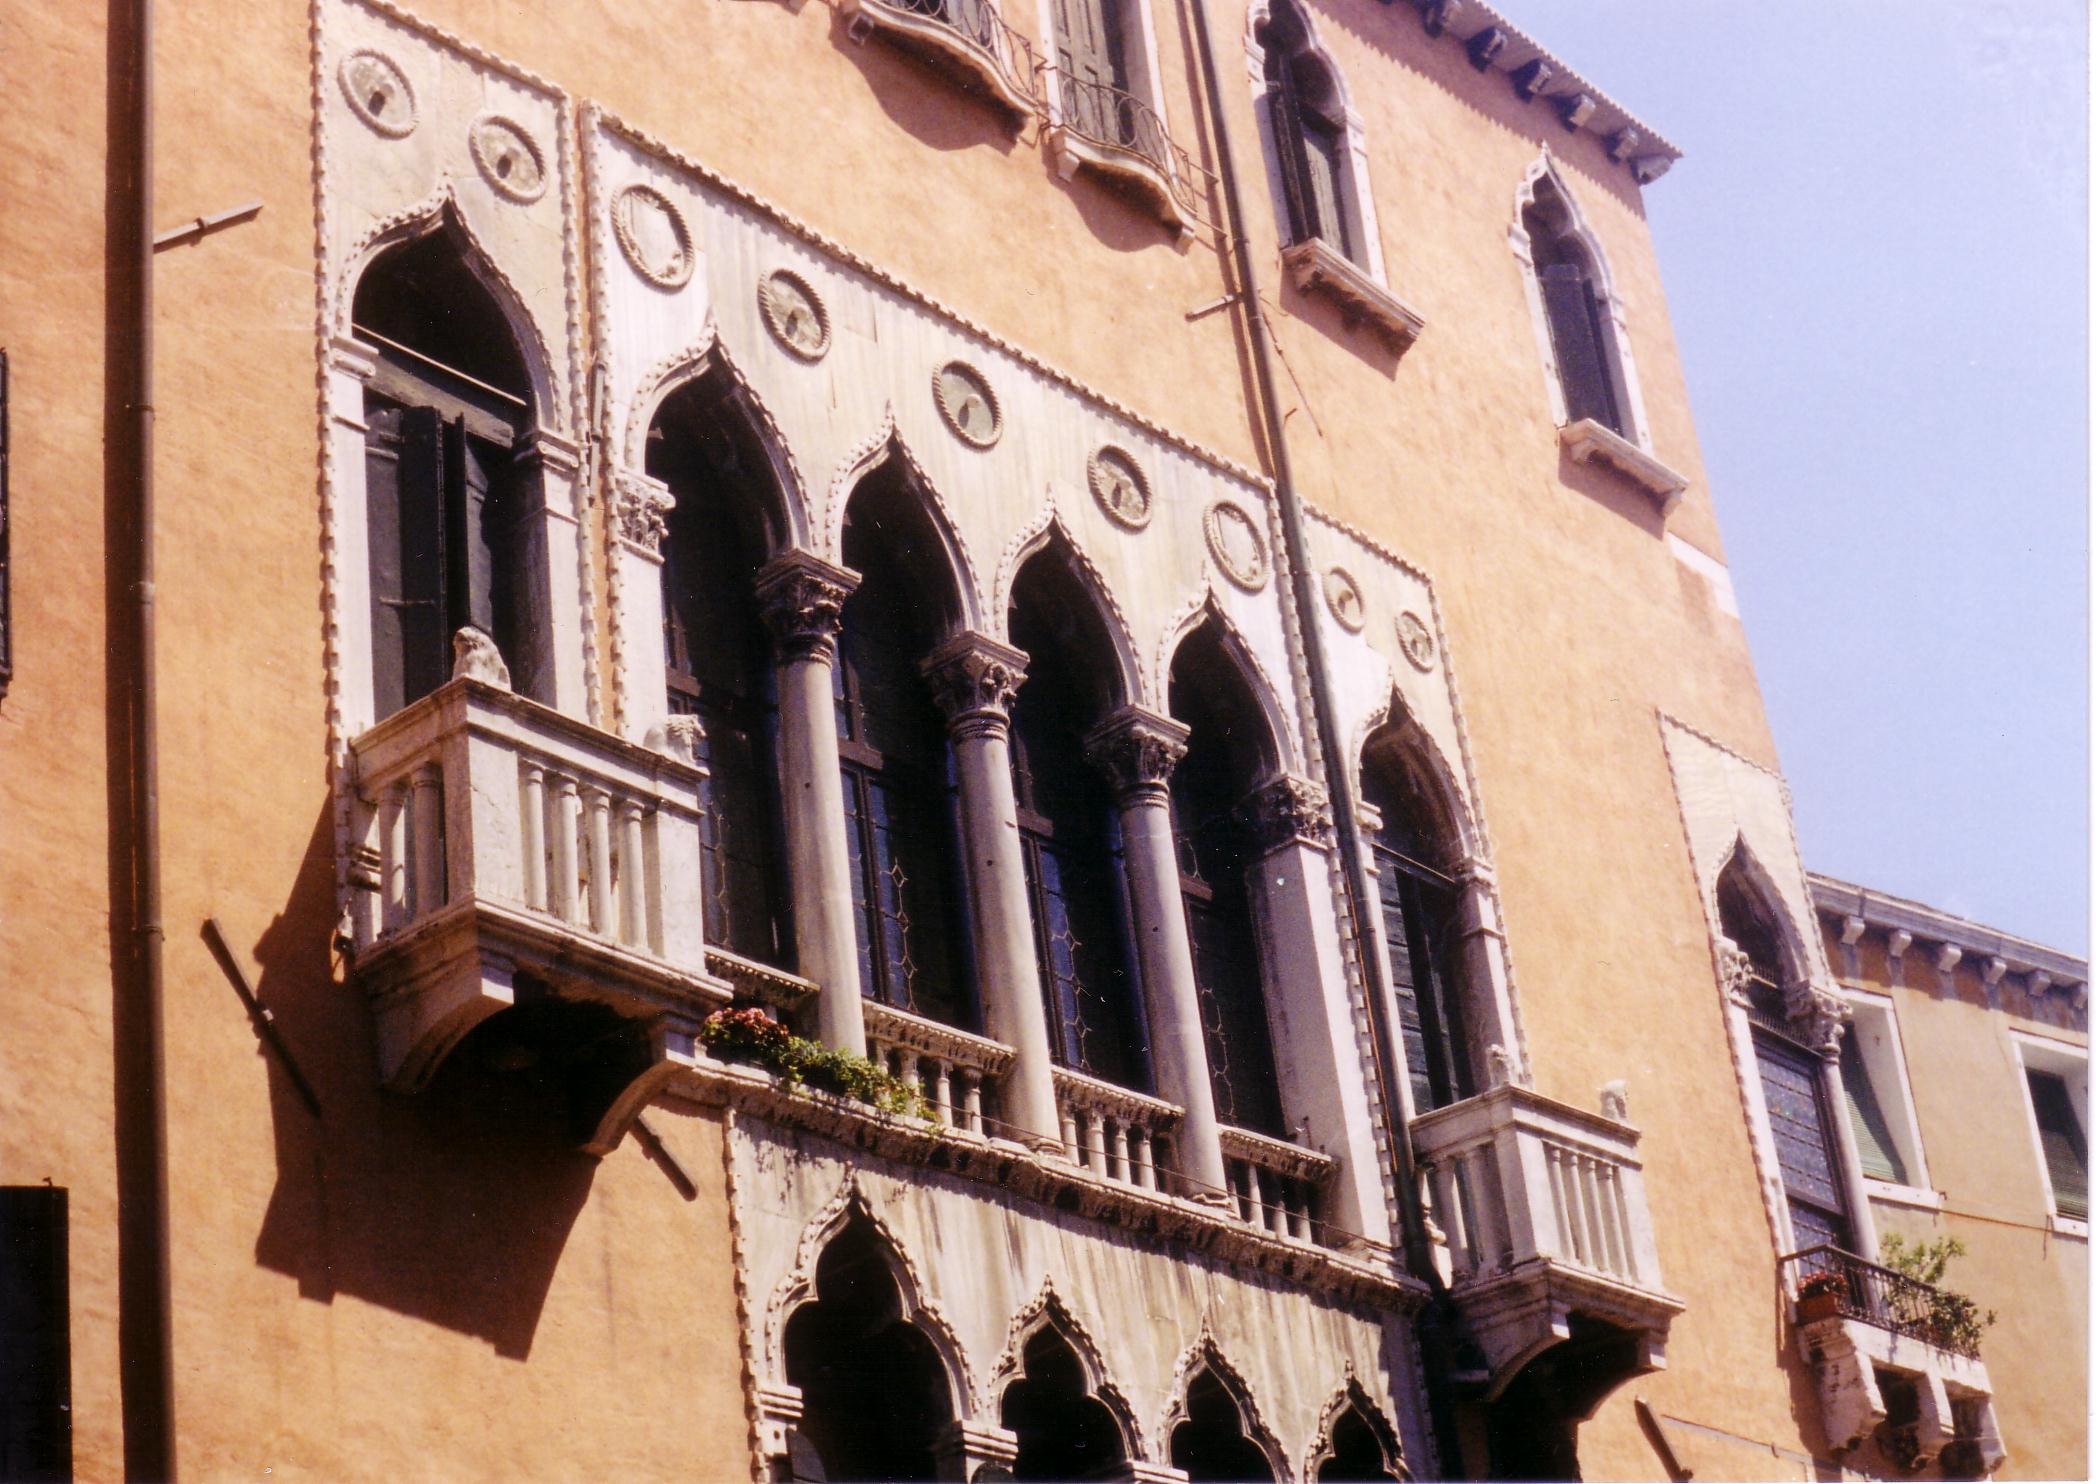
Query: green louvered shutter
[1874, 1142]
[2059, 1132]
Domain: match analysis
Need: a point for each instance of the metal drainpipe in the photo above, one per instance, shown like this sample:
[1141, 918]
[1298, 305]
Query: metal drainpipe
[151, 1370]
[1418, 1254]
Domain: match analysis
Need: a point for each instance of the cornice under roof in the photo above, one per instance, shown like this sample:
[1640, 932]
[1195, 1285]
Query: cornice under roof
[1496, 44]
[1840, 899]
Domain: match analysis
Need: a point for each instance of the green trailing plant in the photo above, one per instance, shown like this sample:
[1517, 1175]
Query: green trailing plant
[751, 1036]
[1953, 1321]
[1822, 1285]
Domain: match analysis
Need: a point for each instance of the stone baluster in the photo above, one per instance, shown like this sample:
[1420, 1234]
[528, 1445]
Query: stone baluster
[1145, 1168]
[597, 806]
[633, 897]
[426, 839]
[567, 808]
[802, 599]
[393, 857]
[974, 679]
[1137, 750]
[533, 805]
[971, 1104]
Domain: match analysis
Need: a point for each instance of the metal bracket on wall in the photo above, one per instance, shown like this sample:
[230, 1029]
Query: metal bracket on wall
[204, 225]
[258, 1014]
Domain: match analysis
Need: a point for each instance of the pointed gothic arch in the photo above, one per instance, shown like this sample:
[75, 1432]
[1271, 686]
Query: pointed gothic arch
[889, 456]
[1049, 536]
[1316, 148]
[704, 381]
[1355, 1442]
[1052, 1389]
[1281, 752]
[1212, 1427]
[1581, 330]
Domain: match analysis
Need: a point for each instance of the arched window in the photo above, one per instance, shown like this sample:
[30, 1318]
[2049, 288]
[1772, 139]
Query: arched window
[1421, 908]
[1309, 135]
[874, 1393]
[898, 776]
[1227, 752]
[1068, 828]
[1064, 1431]
[719, 665]
[448, 402]
[1211, 1443]
[1363, 1448]
[1793, 1084]
[1582, 335]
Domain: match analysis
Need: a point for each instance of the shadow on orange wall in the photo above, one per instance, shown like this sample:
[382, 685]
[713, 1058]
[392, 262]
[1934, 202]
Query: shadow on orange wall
[452, 1206]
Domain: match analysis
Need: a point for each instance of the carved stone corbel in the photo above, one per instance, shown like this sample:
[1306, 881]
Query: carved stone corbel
[1287, 809]
[974, 680]
[1137, 751]
[640, 511]
[801, 598]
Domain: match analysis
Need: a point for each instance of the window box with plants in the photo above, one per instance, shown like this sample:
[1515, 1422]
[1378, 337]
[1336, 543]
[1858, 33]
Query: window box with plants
[752, 1037]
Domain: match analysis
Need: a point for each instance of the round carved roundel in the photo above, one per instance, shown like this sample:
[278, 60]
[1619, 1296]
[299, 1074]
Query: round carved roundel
[509, 158]
[794, 315]
[653, 236]
[378, 93]
[967, 403]
[1235, 543]
[1120, 488]
[1343, 597]
[1416, 639]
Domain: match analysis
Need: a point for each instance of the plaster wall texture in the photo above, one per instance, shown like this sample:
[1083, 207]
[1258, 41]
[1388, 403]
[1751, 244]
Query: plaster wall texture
[1974, 1124]
[57, 1075]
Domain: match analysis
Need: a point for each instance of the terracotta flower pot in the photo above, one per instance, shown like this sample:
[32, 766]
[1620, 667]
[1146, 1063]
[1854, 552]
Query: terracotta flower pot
[1815, 1306]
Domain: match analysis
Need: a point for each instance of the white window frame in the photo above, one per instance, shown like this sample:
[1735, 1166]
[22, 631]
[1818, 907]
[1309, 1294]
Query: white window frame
[2070, 1063]
[1875, 1027]
[1357, 196]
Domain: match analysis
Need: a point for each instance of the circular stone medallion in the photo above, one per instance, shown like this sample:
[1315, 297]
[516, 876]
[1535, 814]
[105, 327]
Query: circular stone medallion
[794, 315]
[1119, 487]
[967, 403]
[653, 236]
[1343, 597]
[1235, 543]
[378, 93]
[1416, 639]
[509, 158]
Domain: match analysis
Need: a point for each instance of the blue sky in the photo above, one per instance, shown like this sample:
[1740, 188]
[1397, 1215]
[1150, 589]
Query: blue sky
[1875, 255]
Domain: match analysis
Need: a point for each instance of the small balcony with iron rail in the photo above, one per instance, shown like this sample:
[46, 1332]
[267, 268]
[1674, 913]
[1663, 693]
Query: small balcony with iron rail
[1542, 1234]
[969, 40]
[1894, 1359]
[1107, 129]
[505, 857]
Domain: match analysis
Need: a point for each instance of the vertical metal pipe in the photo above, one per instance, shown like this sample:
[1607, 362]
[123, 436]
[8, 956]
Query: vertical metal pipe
[148, 1340]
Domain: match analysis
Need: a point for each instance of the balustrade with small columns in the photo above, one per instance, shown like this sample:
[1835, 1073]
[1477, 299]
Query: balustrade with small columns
[955, 1072]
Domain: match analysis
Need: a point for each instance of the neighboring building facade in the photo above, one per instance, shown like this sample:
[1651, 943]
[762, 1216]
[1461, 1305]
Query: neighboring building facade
[687, 514]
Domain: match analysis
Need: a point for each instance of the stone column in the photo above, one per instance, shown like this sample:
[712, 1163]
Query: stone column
[639, 522]
[1137, 750]
[1495, 1038]
[1822, 1017]
[974, 679]
[549, 567]
[802, 599]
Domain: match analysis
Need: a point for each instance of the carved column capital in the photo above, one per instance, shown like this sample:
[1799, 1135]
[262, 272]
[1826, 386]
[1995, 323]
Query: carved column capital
[801, 597]
[973, 680]
[1735, 971]
[1820, 1015]
[1286, 809]
[1137, 750]
[640, 511]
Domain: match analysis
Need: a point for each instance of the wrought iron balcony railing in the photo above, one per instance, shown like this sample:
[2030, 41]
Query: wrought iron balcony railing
[1111, 129]
[969, 37]
[1852, 1288]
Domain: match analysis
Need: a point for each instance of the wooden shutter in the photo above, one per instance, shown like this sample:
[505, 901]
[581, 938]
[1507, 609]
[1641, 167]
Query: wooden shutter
[1878, 1150]
[1089, 50]
[2060, 1136]
[1581, 371]
[36, 1430]
[469, 569]
[404, 515]
[1323, 155]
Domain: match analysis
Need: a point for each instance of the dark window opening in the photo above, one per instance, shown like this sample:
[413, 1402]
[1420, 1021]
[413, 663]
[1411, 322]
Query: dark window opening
[719, 666]
[1065, 1433]
[1211, 1443]
[2061, 1137]
[1309, 135]
[901, 813]
[36, 1365]
[1422, 920]
[1580, 335]
[1360, 1444]
[447, 508]
[1226, 753]
[1069, 828]
[1743, 919]
[874, 1393]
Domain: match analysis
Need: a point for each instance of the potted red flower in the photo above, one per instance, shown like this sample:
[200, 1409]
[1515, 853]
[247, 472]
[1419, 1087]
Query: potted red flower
[1820, 1296]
